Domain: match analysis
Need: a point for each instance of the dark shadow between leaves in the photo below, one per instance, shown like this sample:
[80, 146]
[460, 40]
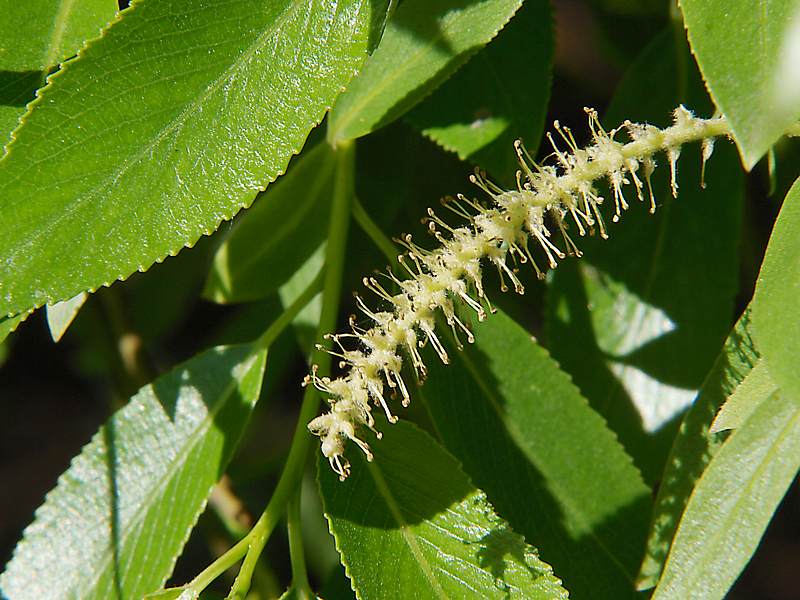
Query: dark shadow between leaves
[17, 88]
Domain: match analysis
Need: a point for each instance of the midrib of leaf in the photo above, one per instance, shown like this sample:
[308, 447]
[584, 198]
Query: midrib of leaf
[57, 34]
[757, 474]
[178, 121]
[516, 434]
[408, 535]
[108, 553]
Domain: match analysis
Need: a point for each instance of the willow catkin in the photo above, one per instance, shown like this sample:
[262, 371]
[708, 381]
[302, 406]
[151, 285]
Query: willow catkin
[546, 199]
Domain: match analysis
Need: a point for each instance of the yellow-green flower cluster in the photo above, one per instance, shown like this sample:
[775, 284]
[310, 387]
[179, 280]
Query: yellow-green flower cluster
[546, 198]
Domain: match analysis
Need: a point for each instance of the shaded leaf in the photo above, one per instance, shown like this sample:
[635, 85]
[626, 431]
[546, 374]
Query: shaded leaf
[180, 593]
[119, 516]
[748, 54]
[424, 43]
[500, 95]
[547, 461]
[694, 447]
[756, 388]
[9, 324]
[733, 503]
[35, 36]
[411, 520]
[639, 320]
[217, 97]
[776, 327]
[59, 316]
[278, 234]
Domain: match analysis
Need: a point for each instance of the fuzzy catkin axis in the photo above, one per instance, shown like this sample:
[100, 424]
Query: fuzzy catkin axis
[547, 196]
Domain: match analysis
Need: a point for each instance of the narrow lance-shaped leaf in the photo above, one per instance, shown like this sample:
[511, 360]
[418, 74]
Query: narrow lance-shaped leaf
[748, 53]
[500, 95]
[35, 36]
[776, 327]
[163, 128]
[639, 320]
[733, 503]
[119, 516]
[694, 447]
[411, 520]
[424, 43]
[546, 460]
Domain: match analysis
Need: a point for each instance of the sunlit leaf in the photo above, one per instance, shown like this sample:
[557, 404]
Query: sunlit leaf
[748, 53]
[776, 327]
[217, 98]
[119, 516]
[412, 521]
[733, 502]
[424, 43]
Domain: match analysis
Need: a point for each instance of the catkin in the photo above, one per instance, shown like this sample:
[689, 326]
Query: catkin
[547, 197]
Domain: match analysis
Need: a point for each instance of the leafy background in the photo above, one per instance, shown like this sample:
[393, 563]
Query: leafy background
[624, 57]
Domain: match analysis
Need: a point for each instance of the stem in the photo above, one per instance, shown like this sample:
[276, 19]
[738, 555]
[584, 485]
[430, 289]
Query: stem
[374, 232]
[276, 328]
[299, 572]
[253, 543]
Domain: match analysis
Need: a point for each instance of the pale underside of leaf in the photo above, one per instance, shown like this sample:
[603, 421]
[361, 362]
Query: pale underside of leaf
[139, 484]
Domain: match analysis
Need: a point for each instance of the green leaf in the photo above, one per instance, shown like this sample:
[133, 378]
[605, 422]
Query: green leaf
[39, 34]
[34, 37]
[59, 316]
[640, 319]
[694, 447]
[9, 324]
[119, 516]
[754, 389]
[748, 54]
[776, 327]
[411, 520]
[217, 98]
[270, 241]
[546, 460]
[424, 43]
[733, 503]
[500, 95]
